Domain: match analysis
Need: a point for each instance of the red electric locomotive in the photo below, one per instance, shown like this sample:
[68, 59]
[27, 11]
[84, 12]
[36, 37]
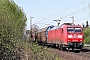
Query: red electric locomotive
[66, 36]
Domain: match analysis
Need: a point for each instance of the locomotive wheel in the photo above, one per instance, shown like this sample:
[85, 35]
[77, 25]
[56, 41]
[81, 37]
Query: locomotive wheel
[54, 46]
[62, 47]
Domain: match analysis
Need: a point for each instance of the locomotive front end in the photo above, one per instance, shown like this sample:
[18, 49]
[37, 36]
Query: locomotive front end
[75, 38]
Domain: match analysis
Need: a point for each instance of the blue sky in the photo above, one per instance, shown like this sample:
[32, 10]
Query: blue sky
[54, 9]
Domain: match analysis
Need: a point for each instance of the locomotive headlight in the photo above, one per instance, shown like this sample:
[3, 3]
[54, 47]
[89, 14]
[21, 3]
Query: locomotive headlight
[70, 36]
[81, 40]
[68, 40]
[79, 36]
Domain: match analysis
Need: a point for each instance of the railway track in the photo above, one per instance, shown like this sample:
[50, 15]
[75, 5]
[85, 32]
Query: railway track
[72, 55]
[84, 54]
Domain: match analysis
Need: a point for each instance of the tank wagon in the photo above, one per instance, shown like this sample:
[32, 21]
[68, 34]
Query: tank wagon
[66, 36]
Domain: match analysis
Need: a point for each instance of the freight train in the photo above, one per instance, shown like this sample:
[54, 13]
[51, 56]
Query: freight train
[66, 36]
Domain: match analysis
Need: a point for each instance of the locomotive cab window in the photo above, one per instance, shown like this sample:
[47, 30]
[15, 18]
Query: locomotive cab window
[74, 30]
[70, 29]
[78, 29]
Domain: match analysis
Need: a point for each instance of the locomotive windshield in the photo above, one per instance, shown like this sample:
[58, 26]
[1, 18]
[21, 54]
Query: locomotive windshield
[78, 30]
[74, 29]
[70, 29]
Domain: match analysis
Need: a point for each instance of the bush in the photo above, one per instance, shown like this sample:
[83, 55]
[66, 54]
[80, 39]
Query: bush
[87, 35]
[33, 51]
[87, 40]
[12, 26]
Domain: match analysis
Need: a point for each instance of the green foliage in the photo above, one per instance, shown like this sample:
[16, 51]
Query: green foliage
[37, 52]
[12, 25]
[87, 35]
[87, 40]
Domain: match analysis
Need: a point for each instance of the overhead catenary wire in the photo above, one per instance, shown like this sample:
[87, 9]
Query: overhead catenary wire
[74, 12]
[39, 21]
[63, 19]
[89, 7]
[68, 8]
[82, 2]
[82, 19]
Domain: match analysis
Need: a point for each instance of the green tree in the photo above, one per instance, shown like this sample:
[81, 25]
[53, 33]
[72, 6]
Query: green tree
[12, 26]
[87, 35]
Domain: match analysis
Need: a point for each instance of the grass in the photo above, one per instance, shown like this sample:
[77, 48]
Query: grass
[33, 51]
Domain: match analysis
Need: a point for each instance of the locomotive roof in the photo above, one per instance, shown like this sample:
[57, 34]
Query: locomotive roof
[63, 25]
[66, 25]
[72, 25]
